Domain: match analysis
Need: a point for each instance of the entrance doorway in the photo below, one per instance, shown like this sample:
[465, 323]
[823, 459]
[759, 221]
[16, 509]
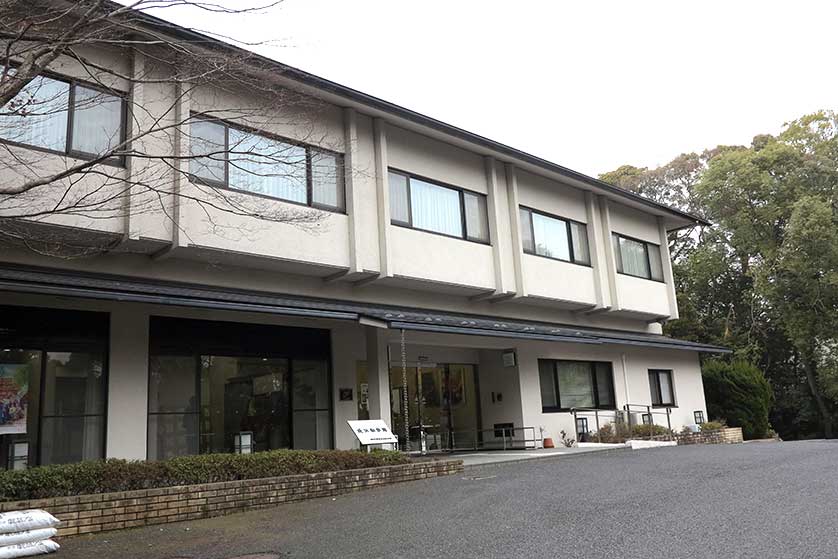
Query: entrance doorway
[443, 403]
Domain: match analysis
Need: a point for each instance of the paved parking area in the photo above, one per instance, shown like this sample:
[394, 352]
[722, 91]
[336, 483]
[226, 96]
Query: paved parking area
[743, 501]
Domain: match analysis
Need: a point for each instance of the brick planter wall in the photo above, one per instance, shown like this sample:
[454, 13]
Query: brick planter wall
[720, 436]
[112, 511]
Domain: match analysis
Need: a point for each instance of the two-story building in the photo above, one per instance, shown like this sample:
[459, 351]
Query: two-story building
[422, 274]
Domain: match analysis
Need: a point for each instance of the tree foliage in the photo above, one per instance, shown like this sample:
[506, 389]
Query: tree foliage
[738, 393]
[764, 279]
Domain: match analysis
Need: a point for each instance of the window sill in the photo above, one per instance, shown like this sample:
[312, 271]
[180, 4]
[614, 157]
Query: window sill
[115, 162]
[554, 259]
[221, 186]
[641, 277]
[659, 406]
[447, 236]
[570, 410]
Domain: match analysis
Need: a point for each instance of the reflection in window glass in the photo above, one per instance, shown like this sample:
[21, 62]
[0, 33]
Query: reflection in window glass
[547, 379]
[97, 121]
[72, 407]
[550, 237]
[655, 263]
[579, 237]
[243, 394]
[477, 225]
[633, 258]
[576, 388]
[38, 115]
[268, 167]
[576, 384]
[526, 230]
[399, 207]
[208, 144]
[326, 180]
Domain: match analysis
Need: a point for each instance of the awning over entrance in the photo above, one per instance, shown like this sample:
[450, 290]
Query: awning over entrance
[118, 288]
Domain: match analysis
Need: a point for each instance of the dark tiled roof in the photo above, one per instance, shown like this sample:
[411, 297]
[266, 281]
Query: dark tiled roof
[57, 282]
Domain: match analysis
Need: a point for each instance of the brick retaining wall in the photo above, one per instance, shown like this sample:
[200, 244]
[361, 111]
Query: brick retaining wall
[720, 436]
[84, 514]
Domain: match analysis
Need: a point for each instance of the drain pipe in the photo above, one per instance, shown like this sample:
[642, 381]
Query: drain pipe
[626, 386]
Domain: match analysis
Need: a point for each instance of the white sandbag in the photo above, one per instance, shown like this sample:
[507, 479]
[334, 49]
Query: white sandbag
[27, 536]
[22, 520]
[28, 549]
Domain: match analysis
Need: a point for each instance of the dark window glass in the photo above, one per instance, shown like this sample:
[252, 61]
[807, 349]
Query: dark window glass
[312, 424]
[660, 386]
[256, 163]
[172, 385]
[424, 205]
[172, 434]
[698, 417]
[554, 237]
[655, 262]
[73, 407]
[576, 384]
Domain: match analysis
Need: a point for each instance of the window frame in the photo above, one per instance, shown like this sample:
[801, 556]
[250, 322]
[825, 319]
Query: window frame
[592, 372]
[460, 193]
[618, 257]
[698, 414]
[120, 161]
[657, 385]
[309, 149]
[567, 221]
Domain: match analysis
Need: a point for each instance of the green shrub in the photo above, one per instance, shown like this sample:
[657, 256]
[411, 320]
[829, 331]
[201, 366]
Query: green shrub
[714, 425]
[105, 476]
[647, 431]
[739, 393]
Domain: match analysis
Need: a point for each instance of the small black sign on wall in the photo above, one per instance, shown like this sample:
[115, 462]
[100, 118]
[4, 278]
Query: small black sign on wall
[345, 394]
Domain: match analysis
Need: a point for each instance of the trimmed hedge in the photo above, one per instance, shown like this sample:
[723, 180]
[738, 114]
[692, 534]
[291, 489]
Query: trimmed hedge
[106, 476]
[738, 393]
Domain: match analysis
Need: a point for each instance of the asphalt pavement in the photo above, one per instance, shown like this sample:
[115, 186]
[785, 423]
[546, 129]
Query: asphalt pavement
[759, 500]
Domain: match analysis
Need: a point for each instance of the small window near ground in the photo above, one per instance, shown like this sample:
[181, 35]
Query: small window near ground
[660, 385]
[698, 417]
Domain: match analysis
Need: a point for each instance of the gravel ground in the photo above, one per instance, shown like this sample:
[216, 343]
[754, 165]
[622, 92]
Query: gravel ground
[756, 500]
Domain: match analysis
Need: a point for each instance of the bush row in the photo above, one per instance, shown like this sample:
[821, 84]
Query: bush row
[105, 476]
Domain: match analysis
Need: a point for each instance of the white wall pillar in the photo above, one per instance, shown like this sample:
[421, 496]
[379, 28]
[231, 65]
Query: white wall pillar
[127, 419]
[610, 257]
[596, 243]
[383, 195]
[378, 374]
[515, 228]
[666, 263]
[493, 209]
[350, 123]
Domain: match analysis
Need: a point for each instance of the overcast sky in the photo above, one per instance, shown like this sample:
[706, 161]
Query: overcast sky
[589, 85]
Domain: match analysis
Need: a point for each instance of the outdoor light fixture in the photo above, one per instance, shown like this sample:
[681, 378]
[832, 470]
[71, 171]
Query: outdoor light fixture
[243, 442]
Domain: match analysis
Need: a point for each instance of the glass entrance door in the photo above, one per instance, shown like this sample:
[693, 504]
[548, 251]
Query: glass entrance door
[442, 401]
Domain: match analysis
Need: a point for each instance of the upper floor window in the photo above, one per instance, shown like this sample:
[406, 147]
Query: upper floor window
[554, 237]
[233, 158]
[638, 258]
[64, 116]
[660, 385]
[575, 384]
[446, 210]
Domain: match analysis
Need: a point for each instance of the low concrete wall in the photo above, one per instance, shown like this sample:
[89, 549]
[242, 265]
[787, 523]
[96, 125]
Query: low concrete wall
[84, 514]
[721, 436]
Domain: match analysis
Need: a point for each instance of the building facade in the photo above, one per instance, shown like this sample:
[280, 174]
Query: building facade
[463, 291]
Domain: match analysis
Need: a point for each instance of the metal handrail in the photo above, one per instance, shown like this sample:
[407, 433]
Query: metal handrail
[618, 413]
[475, 440]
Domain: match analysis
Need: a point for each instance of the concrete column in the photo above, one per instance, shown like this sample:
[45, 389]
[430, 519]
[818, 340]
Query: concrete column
[608, 245]
[378, 374]
[383, 196]
[515, 225]
[350, 123]
[493, 210]
[127, 419]
[180, 162]
[135, 165]
[596, 242]
[666, 262]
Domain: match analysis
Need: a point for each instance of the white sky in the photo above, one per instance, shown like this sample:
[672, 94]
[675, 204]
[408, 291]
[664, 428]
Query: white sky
[587, 84]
